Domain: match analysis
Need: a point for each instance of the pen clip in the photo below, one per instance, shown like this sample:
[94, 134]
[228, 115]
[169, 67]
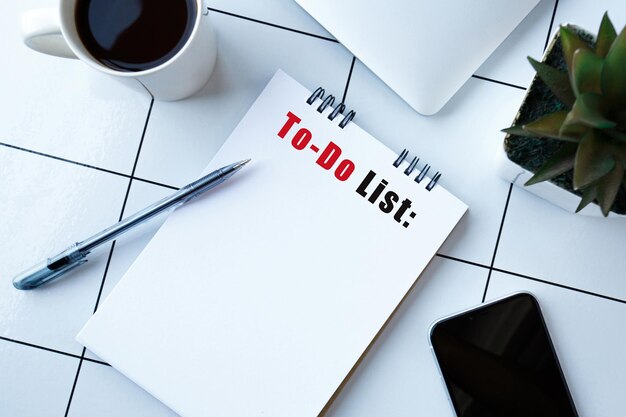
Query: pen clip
[50, 269]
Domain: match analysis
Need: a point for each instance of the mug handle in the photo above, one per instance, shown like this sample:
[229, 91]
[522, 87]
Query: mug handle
[41, 31]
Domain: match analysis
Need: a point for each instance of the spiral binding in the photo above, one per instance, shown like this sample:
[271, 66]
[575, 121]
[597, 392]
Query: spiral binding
[412, 165]
[329, 101]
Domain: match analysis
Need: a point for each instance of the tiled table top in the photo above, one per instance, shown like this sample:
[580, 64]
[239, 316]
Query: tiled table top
[79, 151]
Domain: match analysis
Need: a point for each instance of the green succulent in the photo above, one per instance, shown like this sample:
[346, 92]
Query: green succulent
[592, 125]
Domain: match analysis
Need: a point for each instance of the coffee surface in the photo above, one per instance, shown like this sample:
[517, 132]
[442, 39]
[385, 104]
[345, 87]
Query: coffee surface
[134, 35]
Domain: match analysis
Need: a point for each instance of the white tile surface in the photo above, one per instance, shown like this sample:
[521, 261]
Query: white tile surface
[508, 63]
[62, 107]
[588, 14]
[285, 13]
[49, 205]
[130, 245]
[588, 339]
[399, 376]
[34, 382]
[544, 241]
[182, 137]
[460, 141]
[101, 391]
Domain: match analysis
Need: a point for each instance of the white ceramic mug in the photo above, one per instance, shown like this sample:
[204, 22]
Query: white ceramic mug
[53, 32]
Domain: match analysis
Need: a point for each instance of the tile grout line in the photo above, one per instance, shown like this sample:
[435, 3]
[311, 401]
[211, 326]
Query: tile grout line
[531, 278]
[130, 182]
[106, 269]
[47, 349]
[556, 5]
[336, 41]
[464, 261]
[301, 32]
[345, 90]
[58, 158]
[80, 364]
[158, 184]
[245, 18]
[131, 177]
[519, 87]
[452, 258]
[20, 342]
[97, 361]
[495, 249]
[491, 267]
[440, 255]
[508, 198]
[81, 164]
[556, 284]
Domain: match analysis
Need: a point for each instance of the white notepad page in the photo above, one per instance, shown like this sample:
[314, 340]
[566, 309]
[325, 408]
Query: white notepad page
[258, 298]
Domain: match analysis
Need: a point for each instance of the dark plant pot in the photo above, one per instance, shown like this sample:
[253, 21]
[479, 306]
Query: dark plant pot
[521, 156]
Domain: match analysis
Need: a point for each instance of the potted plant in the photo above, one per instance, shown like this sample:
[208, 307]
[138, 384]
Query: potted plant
[568, 140]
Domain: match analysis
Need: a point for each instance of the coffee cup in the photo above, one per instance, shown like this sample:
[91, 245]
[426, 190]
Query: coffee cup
[167, 45]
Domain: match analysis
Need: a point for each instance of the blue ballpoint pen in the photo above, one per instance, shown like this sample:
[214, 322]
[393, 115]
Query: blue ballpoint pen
[76, 255]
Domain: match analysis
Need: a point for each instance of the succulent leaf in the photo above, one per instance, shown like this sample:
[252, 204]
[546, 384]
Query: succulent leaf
[613, 73]
[587, 109]
[556, 80]
[608, 187]
[589, 194]
[586, 72]
[570, 42]
[561, 162]
[573, 129]
[593, 160]
[606, 36]
[549, 126]
[592, 127]
[518, 130]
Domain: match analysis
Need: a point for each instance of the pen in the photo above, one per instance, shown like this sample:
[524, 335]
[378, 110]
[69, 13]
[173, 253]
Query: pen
[76, 255]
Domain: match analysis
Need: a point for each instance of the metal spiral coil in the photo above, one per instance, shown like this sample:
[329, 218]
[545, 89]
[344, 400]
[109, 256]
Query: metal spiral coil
[412, 165]
[328, 101]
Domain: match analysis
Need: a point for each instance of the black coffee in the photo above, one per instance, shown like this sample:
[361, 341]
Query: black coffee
[134, 35]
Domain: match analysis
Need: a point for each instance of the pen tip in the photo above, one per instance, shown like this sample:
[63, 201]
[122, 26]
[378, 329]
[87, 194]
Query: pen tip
[242, 163]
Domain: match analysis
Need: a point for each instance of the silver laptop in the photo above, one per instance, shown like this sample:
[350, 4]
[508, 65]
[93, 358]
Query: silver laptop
[424, 50]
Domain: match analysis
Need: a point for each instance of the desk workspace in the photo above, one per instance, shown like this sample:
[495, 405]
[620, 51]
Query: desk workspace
[80, 150]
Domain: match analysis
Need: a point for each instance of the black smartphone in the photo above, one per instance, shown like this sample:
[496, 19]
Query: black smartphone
[497, 360]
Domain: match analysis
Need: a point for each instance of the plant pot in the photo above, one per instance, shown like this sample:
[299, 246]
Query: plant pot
[519, 157]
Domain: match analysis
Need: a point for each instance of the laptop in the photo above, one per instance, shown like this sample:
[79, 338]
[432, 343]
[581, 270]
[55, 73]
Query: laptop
[424, 50]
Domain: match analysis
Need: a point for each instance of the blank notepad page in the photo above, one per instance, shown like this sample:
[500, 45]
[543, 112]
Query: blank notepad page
[258, 298]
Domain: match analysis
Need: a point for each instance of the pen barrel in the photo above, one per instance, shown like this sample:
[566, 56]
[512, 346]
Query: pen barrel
[128, 223]
[170, 202]
[50, 269]
[75, 255]
[197, 188]
[68, 256]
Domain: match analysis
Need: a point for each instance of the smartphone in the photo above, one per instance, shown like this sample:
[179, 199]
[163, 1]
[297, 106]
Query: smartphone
[497, 360]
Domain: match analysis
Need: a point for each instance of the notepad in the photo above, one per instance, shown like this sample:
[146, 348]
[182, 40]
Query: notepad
[259, 298]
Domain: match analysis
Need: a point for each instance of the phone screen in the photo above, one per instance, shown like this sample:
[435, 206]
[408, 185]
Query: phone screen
[498, 361]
